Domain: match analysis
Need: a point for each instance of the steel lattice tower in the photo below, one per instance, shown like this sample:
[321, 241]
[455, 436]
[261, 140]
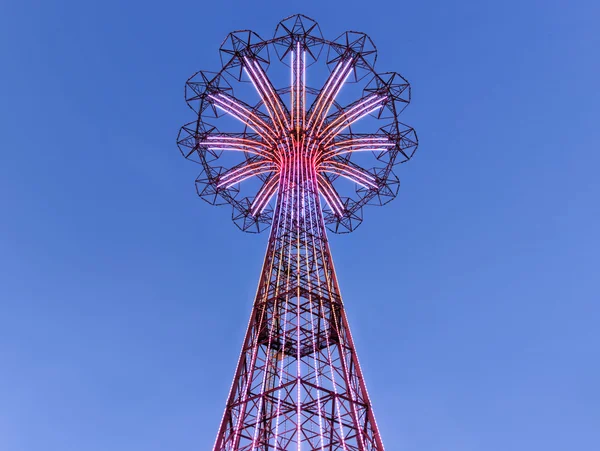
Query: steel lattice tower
[298, 383]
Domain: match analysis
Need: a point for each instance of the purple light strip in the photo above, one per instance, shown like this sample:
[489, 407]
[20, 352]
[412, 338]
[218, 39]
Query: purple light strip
[238, 112]
[323, 250]
[285, 191]
[310, 180]
[349, 172]
[264, 196]
[331, 197]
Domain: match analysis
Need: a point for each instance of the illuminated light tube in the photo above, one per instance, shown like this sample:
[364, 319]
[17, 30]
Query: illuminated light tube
[292, 88]
[353, 111]
[332, 153]
[348, 70]
[266, 103]
[234, 104]
[233, 145]
[250, 120]
[264, 196]
[332, 199]
[342, 78]
[242, 169]
[235, 182]
[266, 94]
[235, 139]
[239, 144]
[245, 122]
[304, 87]
[244, 115]
[240, 148]
[335, 88]
[325, 88]
[356, 146]
[363, 113]
[275, 96]
[268, 199]
[312, 322]
[296, 86]
[355, 177]
[359, 140]
[331, 205]
[335, 197]
[341, 146]
[244, 173]
[353, 171]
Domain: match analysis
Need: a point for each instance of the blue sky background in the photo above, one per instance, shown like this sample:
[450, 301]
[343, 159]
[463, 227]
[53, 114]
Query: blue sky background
[473, 297]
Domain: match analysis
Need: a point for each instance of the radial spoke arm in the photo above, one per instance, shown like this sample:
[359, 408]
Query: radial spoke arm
[235, 143]
[330, 195]
[244, 171]
[243, 113]
[264, 195]
[269, 96]
[298, 91]
[350, 171]
[352, 113]
[367, 143]
[328, 94]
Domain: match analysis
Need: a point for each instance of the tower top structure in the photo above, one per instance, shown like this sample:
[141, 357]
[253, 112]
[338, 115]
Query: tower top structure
[352, 147]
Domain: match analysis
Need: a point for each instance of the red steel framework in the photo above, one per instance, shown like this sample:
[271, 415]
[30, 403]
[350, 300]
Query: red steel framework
[298, 383]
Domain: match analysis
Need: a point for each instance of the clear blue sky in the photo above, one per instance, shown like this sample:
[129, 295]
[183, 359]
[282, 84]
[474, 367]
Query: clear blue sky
[473, 297]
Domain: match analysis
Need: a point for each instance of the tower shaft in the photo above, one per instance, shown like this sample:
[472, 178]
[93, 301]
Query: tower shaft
[298, 383]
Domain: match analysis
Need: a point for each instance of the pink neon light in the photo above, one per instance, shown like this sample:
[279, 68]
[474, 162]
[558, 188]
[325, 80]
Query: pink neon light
[335, 197]
[276, 98]
[298, 87]
[348, 70]
[241, 174]
[304, 87]
[323, 93]
[357, 145]
[234, 104]
[364, 112]
[308, 179]
[352, 170]
[288, 221]
[292, 104]
[264, 196]
[325, 192]
[233, 138]
[352, 174]
[242, 169]
[298, 316]
[331, 368]
[353, 111]
[258, 130]
[251, 119]
[266, 102]
[266, 92]
[359, 140]
[334, 87]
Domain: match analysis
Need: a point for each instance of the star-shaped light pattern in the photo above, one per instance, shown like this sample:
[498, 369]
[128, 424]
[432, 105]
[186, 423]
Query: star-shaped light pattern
[297, 125]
